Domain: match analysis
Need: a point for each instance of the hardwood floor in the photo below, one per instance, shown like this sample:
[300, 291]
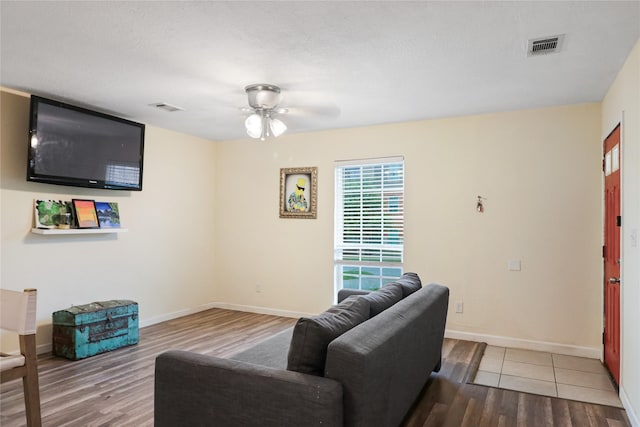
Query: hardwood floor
[116, 388]
[448, 401]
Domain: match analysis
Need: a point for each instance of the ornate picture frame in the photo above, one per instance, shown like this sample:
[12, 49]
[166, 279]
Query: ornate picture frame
[298, 192]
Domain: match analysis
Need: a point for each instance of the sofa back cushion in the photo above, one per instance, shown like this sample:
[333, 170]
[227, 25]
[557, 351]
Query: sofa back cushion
[410, 283]
[383, 298]
[312, 335]
[345, 293]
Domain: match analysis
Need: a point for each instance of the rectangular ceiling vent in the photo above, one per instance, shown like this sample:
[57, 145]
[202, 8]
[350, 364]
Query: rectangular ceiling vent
[544, 45]
[167, 107]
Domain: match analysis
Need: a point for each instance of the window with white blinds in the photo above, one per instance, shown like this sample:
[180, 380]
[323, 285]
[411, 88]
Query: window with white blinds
[369, 222]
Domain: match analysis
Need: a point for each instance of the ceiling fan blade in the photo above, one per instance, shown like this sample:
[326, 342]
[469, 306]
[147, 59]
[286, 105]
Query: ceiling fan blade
[328, 111]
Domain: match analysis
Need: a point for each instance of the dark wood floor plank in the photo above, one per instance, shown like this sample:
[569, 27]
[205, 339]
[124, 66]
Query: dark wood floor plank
[490, 411]
[457, 409]
[509, 407]
[561, 414]
[436, 415]
[116, 388]
[477, 397]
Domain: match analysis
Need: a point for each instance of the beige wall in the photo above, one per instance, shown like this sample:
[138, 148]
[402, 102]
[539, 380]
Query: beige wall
[623, 100]
[539, 171]
[164, 262]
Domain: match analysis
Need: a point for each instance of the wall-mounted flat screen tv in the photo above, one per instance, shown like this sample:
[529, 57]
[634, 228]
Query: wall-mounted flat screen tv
[70, 145]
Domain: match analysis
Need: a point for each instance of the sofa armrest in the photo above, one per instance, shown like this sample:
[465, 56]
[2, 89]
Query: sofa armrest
[199, 390]
[346, 293]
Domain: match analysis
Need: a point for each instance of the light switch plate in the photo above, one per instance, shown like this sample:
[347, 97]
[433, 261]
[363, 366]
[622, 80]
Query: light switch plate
[459, 306]
[514, 265]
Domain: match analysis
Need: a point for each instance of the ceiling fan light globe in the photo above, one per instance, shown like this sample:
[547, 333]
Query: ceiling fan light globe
[252, 134]
[254, 125]
[277, 127]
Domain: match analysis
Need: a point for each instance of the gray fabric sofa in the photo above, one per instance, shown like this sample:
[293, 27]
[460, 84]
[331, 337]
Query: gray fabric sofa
[372, 375]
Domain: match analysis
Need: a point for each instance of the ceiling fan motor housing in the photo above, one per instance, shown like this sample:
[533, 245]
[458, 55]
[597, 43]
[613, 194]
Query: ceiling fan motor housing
[263, 96]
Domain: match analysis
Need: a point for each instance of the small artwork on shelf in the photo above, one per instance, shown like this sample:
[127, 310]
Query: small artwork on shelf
[108, 214]
[53, 214]
[86, 215]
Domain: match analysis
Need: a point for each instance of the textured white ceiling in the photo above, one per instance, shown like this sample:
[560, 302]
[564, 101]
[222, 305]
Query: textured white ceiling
[340, 64]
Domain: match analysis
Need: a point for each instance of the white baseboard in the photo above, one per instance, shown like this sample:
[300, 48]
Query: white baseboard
[262, 310]
[224, 305]
[44, 348]
[633, 417]
[569, 350]
[176, 314]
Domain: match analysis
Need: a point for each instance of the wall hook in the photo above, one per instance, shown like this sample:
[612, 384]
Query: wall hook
[480, 204]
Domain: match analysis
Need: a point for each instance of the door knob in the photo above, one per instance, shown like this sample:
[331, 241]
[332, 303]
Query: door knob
[614, 280]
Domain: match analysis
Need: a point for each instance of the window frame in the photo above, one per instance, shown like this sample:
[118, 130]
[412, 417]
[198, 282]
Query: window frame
[355, 254]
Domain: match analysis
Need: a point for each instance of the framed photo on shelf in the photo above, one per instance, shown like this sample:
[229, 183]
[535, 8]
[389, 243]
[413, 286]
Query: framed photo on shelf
[52, 213]
[108, 214]
[86, 215]
[298, 192]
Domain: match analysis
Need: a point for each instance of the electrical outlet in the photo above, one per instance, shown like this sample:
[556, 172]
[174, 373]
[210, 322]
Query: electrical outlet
[514, 265]
[458, 305]
[258, 288]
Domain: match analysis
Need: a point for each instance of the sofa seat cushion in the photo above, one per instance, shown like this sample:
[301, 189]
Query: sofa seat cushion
[410, 283]
[383, 298]
[271, 352]
[312, 335]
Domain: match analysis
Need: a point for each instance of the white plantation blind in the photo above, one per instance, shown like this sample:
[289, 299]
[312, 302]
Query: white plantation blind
[369, 212]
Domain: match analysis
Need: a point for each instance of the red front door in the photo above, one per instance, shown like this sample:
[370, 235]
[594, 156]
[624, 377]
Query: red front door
[612, 224]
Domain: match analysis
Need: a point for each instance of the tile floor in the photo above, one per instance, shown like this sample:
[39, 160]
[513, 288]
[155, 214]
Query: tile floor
[548, 374]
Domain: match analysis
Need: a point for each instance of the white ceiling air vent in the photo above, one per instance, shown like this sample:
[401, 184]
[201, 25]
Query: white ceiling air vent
[167, 107]
[544, 45]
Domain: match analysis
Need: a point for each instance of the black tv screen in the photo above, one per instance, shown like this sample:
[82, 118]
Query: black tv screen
[70, 145]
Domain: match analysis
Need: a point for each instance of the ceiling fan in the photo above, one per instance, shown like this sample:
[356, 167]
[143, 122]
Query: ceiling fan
[263, 105]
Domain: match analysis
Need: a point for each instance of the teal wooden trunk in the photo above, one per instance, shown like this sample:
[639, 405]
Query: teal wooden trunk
[86, 330]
